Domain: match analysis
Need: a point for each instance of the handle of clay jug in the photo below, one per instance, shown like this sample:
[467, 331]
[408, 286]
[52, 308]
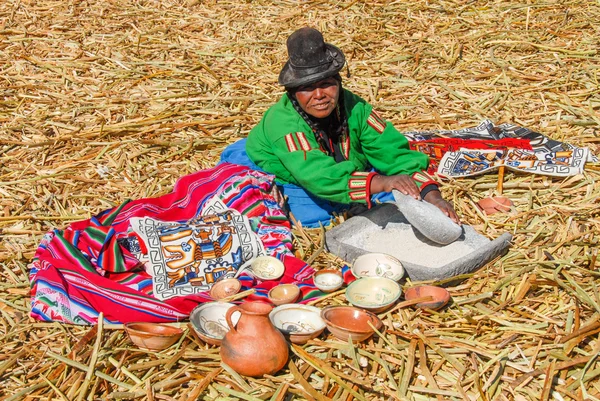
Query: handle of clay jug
[228, 314]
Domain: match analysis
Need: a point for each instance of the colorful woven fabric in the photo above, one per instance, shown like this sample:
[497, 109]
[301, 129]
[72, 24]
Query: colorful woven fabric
[85, 269]
[480, 149]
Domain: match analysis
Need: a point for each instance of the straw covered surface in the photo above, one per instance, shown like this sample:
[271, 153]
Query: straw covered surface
[112, 100]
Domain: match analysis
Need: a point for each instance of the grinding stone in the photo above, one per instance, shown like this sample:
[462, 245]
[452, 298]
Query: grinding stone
[422, 259]
[428, 219]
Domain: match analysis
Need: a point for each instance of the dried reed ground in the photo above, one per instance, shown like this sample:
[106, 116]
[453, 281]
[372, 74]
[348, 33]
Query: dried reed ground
[109, 100]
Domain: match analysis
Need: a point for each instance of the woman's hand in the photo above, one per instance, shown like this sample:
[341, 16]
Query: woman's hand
[402, 183]
[435, 198]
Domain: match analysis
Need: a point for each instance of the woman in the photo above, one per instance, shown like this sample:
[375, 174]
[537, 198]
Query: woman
[330, 142]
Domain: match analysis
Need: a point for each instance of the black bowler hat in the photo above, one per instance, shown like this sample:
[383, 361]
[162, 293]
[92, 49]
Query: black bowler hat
[310, 59]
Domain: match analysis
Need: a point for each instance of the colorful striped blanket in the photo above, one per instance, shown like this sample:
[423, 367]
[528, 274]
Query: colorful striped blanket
[84, 269]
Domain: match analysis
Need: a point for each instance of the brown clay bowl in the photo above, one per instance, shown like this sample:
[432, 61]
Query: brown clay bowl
[348, 322]
[284, 294]
[495, 204]
[153, 336]
[225, 288]
[440, 296]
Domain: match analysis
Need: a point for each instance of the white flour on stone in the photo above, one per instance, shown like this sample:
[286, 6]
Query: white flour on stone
[400, 241]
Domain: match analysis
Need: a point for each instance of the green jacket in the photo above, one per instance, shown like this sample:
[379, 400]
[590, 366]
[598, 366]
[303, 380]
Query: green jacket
[283, 144]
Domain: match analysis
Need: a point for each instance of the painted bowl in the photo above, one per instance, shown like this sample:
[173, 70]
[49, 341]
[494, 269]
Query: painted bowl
[377, 265]
[348, 322]
[299, 323]
[225, 288]
[328, 280]
[153, 336]
[208, 320]
[375, 294]
[284, 294]
[440, 296]
[267, 268]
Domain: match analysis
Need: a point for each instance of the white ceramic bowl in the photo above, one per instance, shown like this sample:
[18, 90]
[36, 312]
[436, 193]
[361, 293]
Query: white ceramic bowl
[267, 268]
[298, 322]
[377, 265]
[374, 294]
[328, 280]
[208, 320]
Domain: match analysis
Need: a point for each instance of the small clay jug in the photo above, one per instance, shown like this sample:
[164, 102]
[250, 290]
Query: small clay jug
[253, 347]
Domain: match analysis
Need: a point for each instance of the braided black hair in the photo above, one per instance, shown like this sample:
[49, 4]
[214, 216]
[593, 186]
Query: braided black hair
[329, 137]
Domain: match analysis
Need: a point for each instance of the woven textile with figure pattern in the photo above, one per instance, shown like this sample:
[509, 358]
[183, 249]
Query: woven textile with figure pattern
[90, 266]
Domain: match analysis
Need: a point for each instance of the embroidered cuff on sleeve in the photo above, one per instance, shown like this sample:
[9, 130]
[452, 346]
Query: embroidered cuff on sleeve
[422, 179]
[359, 187]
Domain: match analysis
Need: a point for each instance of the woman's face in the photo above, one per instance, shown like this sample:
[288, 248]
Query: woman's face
[319, 99]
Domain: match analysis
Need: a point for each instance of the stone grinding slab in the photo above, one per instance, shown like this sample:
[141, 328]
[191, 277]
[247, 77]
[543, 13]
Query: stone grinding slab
[384, 229]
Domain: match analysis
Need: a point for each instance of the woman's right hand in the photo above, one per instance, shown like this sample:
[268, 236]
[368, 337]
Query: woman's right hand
[402, 183]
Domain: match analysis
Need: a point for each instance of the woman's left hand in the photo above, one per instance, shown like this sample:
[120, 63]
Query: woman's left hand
[435, 198]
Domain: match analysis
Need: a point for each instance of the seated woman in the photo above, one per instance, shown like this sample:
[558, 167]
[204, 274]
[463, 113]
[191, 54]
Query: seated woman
[323, 139]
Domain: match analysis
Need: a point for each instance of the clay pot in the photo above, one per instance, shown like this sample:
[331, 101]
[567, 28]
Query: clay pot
[495, 204]
[253, 347]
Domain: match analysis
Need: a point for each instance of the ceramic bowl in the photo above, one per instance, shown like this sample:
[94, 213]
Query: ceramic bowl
[225, 288]
[440, 296]
[299, 323]
[495, 204]
[152, 336]
[377, 265]
[267, 268]
[348, 322]
[284, 294]
[375, 294]
[328, 280]
[208, 320]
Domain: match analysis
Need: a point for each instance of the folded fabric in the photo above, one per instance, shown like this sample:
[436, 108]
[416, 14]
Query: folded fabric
[89, 267]
[480, 149]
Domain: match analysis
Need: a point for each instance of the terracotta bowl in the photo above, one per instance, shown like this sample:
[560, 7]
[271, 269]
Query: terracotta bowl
[440, 296]
[299, 323]
[153, 336]
[267, 268]
[328, 280]
[208, 320]
[377, 265]
[348, 322]
[375, 294]
[495, 204]
[225, 288]
[284, 294]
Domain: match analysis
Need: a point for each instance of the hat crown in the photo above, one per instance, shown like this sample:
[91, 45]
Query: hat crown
[310, 59]
[306, 49]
